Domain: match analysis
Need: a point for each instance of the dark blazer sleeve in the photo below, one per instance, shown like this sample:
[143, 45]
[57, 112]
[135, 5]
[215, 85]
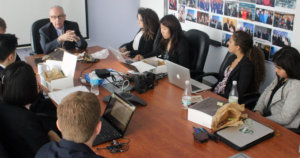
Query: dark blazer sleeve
[244, 75]
[48, 38]
[145, 47]
[81, 44]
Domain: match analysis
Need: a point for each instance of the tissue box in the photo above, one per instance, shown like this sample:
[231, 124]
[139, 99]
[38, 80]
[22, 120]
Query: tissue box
[67, 66]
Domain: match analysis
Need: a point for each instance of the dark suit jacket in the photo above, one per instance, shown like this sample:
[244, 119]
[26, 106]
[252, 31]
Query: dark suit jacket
[65, 149]
[48, 37]
[145, 47]
[243, 73]
[21, 131]
[179, 55]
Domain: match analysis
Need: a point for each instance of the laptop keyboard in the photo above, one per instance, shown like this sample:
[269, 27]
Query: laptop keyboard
[194, 88]
[107, 133]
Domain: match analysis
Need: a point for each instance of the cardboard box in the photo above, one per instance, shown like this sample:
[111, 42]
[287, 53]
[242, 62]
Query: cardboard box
[159, 64]
[67, 66]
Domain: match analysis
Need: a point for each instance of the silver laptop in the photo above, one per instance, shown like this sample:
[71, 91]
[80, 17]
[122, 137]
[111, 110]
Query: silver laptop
[178, 75]
[119, 56]
[246, 135]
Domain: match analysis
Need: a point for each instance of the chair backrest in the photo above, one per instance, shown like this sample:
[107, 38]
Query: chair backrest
[199, 45]
[35, 35]
[157, 39]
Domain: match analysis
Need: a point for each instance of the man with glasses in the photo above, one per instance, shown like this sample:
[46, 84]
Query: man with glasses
[60, 32]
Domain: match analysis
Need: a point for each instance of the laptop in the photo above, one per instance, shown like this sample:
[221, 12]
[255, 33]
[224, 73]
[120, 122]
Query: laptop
[115, 119]
[246, 135]
[178, 74]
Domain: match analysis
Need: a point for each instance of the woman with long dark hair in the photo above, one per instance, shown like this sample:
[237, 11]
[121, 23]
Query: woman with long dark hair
[280, 101]
[246, 67]
[173, 45]
[142, 44]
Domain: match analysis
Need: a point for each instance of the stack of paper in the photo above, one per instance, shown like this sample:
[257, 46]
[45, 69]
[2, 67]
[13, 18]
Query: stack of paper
[58, 96]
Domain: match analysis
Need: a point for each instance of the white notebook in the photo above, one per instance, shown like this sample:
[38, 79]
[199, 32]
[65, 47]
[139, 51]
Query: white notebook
[58, 96]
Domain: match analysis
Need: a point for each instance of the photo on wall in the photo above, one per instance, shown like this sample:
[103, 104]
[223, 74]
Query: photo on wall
[181, 13]
[246, 27]
[191, 15]
[191, 3]
[172, 4]
[281, 38]
[230, 8]
[215, 22]
[265, 48]
[290, 4]
[262, 33]
[264, 16]
[216, 6]
[203, 5]
[229, 24]
[285, 21]
[269, 3]
[182, 2]
[246, 11]
[202, 18]
[225, 39]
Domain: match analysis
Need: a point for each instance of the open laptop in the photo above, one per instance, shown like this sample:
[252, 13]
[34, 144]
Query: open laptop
[121, 59]
[246, 135]
[177, 75]
[115, 119]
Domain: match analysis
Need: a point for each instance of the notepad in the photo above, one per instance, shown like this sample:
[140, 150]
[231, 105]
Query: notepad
[58, 96]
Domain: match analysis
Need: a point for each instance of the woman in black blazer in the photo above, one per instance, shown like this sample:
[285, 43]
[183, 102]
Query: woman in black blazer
[173, 45]
[22, 131]
[142, 44]
[246, 67]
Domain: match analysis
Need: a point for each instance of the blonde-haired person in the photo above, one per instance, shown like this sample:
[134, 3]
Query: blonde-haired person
[78, 119]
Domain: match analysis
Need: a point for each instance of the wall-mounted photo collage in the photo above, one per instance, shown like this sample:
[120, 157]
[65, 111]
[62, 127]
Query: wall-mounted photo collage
[270, 22]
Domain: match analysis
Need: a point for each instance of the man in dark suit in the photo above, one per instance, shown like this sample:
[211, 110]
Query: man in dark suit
[60, 32]
[8, 45]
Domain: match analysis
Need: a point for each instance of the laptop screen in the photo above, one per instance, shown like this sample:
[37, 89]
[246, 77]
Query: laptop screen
[118, 112]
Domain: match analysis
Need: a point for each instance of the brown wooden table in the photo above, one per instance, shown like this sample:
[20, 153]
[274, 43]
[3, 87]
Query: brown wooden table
[161, 128]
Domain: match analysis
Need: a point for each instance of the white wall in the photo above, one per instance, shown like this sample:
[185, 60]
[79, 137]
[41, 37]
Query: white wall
[112, 22]
[156, 5]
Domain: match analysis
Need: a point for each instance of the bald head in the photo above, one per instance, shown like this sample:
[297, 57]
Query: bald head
[57, 16]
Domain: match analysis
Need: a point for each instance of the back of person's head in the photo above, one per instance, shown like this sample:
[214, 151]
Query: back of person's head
[2, 26]
[150, 21]
[253, 53]
[9, 42]
[18, 84]
[78, 115]
[174, 26]
[289, 59]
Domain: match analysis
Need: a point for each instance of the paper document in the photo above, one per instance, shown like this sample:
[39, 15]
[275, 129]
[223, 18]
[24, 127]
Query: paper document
[142, 66]
[58, 96]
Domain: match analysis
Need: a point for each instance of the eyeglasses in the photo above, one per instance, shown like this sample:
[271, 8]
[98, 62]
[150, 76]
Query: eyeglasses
[57, 17]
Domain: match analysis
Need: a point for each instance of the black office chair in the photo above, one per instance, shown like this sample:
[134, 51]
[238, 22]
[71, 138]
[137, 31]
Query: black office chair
[199, 46]
[35, 35]
[157, 39]
[249, 99]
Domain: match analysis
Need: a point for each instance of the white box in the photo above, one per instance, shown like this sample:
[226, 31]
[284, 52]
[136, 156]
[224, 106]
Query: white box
[67, 66]
[154, 62]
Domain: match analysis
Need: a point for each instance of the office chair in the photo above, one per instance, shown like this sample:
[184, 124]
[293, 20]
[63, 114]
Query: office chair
[157, 39]
[199, 46]
[35, 35]
[249, 99]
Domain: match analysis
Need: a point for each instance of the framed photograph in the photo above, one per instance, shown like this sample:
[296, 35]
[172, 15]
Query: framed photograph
[230, 8]
[246, 27]
[191, 3]
[203, 5]
[229, 24]
[262, 33]
[216, 6]
[285, 21]
[281, 38]
[264, 16]
[269, 3]
[246, 11]
[181, 13]
[216, 22]
[202, 18]
[172, 4]
[225, 39]
[191, 15]
[265, 48]
[290, 4]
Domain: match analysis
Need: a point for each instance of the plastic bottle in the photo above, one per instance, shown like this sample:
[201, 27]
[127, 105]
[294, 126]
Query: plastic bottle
[94, 83]
[233, 95]
[187, 95]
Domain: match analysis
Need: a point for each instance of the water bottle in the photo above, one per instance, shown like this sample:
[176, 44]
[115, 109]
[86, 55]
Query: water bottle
[187, 95]
[94, 83]
[233, 95]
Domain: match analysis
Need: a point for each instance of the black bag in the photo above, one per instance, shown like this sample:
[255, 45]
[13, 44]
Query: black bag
[144, 82]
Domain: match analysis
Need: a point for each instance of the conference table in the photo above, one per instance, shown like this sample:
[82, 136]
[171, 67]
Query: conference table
[161, 128]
